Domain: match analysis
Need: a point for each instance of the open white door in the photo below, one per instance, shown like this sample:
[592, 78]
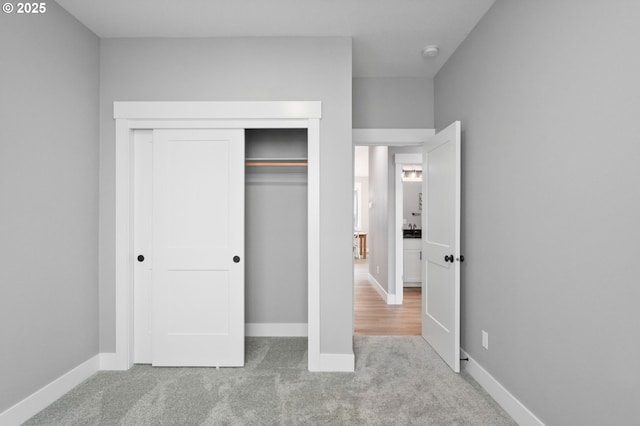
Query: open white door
[198, 247]
[441, 245]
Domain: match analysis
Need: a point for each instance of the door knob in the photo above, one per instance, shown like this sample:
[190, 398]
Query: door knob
[460, 259]
[236, 259]
[448, 258]
[140, 258]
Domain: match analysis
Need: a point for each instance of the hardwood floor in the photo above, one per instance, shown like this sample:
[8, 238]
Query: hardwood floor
[372, 315]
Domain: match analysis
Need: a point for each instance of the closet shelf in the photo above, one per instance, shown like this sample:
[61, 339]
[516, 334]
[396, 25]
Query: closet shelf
[276, 162]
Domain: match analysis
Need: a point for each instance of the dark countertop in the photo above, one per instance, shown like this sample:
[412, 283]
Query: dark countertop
[411, 233]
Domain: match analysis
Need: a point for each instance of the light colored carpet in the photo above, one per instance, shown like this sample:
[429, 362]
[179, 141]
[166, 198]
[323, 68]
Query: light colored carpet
[398, 381]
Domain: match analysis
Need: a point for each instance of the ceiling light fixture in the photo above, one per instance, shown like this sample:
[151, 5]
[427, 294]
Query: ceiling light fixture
[431, 51]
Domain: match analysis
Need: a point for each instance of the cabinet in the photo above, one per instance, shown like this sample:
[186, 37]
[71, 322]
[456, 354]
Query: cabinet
[412, 276]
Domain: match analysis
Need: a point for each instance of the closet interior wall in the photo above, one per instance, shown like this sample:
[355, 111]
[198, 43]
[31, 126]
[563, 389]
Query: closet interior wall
[275, 228]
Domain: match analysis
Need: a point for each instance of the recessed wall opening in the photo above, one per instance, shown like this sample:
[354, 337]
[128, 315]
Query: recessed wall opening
[386, 245]
[276, 229]
[200, 122]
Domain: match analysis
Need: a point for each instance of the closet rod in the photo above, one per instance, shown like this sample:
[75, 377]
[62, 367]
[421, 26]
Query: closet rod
[276, 162]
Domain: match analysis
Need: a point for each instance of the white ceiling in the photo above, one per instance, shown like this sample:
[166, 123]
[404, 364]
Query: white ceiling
[388, 35]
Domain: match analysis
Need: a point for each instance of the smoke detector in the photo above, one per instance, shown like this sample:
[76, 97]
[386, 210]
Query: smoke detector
[431, 51]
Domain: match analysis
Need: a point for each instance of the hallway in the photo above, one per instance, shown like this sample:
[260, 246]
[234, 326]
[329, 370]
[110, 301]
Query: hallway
[372, 315]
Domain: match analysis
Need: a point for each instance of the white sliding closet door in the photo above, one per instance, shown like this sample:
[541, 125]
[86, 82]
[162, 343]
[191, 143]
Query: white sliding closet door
[142, 246]
[198, 248]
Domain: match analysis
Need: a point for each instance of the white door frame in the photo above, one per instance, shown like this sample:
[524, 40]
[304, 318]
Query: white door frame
[393, 138]
[400, 160]
[130, 116]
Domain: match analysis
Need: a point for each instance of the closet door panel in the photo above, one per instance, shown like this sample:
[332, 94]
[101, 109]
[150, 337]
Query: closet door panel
[198, 294]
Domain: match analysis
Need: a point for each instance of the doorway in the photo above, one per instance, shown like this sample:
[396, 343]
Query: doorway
[440, 311]
[379, 308]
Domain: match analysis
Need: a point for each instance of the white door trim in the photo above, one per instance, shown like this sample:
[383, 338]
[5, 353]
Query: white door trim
[130, 116]
[400, 160]
[393, 137]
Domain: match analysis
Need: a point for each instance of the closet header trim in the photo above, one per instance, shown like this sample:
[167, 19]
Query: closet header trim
[218, 110]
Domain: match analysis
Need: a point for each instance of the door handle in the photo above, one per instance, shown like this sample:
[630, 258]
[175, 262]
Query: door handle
[140, 258]
[448, 258]
[460, 259]
[236, 259]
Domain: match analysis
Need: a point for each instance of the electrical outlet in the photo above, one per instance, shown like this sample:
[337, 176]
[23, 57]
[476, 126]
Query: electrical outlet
[485, 340]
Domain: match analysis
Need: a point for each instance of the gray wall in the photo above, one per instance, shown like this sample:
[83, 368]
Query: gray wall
[276, 229]
[547, 93]
[49, 192]
[243, 69]
[377, 239]
[393, 103]
[382, 191]
[364, 202]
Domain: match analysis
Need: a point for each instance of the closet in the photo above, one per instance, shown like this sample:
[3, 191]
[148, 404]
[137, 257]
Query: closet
[275, 231]
[199, 192]
[193, 284]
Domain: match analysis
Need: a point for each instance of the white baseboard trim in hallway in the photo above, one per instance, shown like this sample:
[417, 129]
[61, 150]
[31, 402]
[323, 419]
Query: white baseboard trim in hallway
[502, 396]
[276, 329]
[45, 396]
[389, 298]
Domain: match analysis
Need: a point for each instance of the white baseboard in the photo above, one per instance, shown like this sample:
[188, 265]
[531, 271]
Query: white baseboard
[45, 396]
[393, 299]
[337, 363]
[507, 401]
[381, 291]
[389, 298]
[276, 329]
